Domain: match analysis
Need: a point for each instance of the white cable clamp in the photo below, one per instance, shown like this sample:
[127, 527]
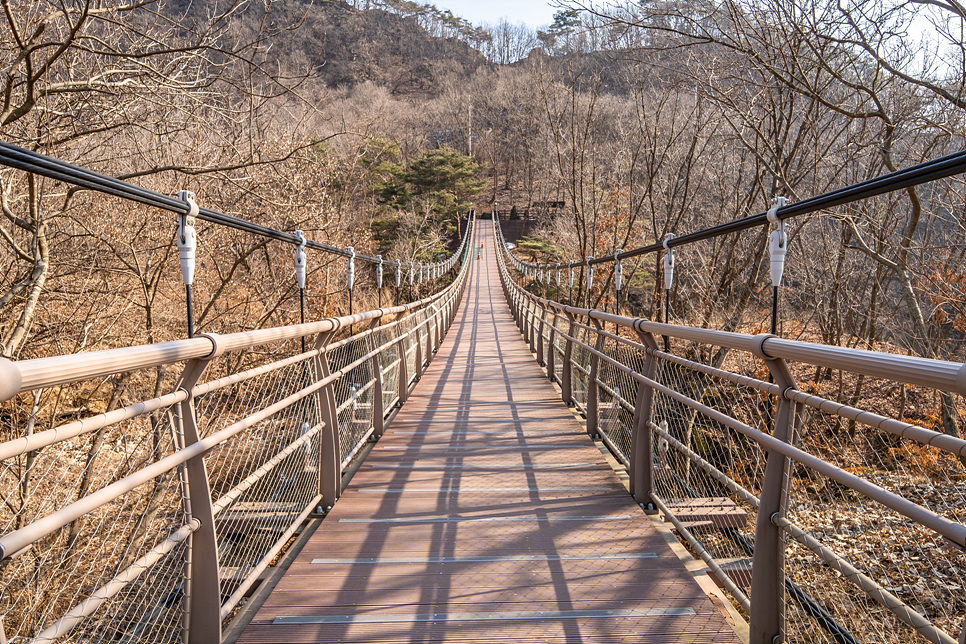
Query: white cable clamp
[558, 276]
[187, 239]
[668, 261]
[420, 273]
[412, 272]
[618, 270]
[379, 271]
[777, 242]
[398, 273]
[300, 258]
[590, 275]
[350, 270]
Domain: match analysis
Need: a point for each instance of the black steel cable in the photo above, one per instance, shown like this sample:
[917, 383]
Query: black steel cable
[14, 156]
[933, 170]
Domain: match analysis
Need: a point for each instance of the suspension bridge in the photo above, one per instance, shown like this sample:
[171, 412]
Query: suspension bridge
[483, 464]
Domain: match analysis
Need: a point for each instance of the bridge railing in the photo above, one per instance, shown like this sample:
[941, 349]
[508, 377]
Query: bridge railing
[825, 522]
[150, 522]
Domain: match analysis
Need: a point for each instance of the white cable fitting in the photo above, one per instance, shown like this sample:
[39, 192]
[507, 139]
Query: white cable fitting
[777, 242]
[412, 272]
[186, 238]
[350, 272]
[590, 275]
[772, 214]
[420, 273]
[558, 277]
[300, 258]
[398, 273]
[379, 271]
[618, 270]
[668, 261]
[571, 269]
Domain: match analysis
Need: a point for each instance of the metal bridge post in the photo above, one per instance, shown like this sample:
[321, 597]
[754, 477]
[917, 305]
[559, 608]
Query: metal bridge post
[566, 385]
[593, 392]
[378, 399]
[429, 337]
[418, 359]
[533, 326]
[330, 461]
[540, 360]
[403, 376]
[641, 472]
[552, 348]
[767, 620]
[527, 302]
[527, 323]
[202, 586]
[439, 330]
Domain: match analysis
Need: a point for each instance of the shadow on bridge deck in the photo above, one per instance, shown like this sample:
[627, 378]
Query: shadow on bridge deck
[485, 514]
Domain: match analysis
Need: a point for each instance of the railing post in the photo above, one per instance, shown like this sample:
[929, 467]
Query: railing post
[524, 303]
[202, 587]
[593, 392]
[552, 348]
[641, 471]
[768, 564]
[418, 359]
[540, 360]
[528, 324]
[533, 326]
[437, 322]
[378, 399]
[403, 376]
[567, 380]
[330, 460]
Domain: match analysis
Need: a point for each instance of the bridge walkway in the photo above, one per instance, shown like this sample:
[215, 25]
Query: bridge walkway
[486, 514]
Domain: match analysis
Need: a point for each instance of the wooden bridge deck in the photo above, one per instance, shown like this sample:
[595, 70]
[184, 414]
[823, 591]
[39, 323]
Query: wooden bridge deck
[485, 514]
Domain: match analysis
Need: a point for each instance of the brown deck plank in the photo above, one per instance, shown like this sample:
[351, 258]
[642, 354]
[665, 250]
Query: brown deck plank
[486, 514]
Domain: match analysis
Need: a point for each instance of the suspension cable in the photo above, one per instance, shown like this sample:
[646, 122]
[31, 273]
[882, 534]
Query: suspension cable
[933, 170]
[19, 158]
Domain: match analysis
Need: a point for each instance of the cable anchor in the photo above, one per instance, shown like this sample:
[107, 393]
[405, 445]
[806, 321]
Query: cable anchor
[777, 241]
[668, 261]
[300, 258]
[187, 239]
[618, 270]
[350, 269]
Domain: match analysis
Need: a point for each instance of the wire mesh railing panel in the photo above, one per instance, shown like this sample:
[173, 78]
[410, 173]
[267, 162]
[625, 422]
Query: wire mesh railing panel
[919, 567]
[260, 482]
[390, 378]
[60, 571]
[353, 395]
[558, 346]
[618, 394]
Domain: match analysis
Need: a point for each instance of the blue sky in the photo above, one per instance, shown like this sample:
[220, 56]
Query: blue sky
[535, 13]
